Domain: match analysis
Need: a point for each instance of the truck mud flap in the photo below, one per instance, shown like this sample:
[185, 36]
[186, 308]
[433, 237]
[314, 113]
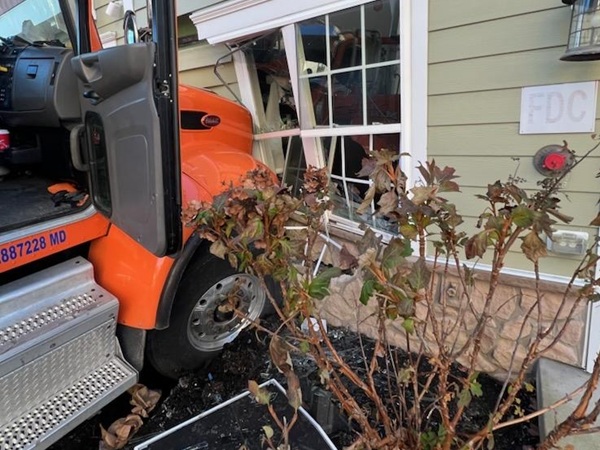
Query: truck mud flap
[59, 357]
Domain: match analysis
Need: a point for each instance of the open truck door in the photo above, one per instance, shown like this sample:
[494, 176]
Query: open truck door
[131, 128]
[60, 361]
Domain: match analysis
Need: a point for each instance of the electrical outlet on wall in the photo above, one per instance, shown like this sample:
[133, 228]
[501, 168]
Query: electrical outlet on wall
[568, 242]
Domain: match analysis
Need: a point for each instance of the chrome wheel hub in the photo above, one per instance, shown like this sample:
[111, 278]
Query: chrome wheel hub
[217, 316]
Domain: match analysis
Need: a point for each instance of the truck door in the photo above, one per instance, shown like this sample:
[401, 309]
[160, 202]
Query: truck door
[131, 122]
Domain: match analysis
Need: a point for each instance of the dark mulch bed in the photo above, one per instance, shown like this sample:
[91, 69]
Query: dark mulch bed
[247, 359]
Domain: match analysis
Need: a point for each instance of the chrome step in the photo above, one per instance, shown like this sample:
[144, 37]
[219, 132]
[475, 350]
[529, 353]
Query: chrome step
[59, 357]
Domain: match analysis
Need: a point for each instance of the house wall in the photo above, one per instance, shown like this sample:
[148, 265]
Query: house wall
[480, 56]
[506, 339]
[505, 342]
[196, 61]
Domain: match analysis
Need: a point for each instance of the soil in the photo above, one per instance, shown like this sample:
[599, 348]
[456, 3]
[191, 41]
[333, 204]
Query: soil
[238, 425]
[247, 359]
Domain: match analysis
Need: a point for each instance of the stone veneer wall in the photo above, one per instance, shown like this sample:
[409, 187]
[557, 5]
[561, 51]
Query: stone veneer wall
[503, 337]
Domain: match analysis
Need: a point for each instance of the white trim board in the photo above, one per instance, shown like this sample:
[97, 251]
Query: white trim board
[592, 331]
[238, 18]
[592, 336]
[188, 6]
[223, 9]
[414, 21]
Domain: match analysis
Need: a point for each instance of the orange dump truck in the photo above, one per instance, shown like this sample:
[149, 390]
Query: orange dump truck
[99, 150]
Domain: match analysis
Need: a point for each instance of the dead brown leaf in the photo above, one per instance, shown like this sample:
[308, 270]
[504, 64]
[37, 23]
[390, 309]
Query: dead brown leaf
[533, 247]
[294, 393]
[596, 221]
[347, 260]
[280, 355]
[119, 432]
[261, 395]
[144, 400]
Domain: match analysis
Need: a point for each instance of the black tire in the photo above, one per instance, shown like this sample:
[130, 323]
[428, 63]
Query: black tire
[198, 329]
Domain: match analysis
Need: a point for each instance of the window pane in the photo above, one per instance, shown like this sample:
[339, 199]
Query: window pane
[34, 21]
[295, 163]
[344, 156]
[349, 63]
[387, 141]
[381, 31]
[313, 34]
[319, 95]
[383, 95]
[346, 48]
[347, 98]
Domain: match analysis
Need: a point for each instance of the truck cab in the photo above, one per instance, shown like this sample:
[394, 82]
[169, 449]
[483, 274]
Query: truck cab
[100, 149]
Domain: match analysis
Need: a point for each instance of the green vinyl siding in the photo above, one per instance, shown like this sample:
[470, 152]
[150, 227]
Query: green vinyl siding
[497, 139]
[481, 54]
[483, 169]
[208, 80]
[449, 14]
[508, 70]
[518, 33]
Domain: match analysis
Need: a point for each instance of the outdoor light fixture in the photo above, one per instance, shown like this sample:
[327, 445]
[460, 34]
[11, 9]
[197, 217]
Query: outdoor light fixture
[584, 35]
[114, 9]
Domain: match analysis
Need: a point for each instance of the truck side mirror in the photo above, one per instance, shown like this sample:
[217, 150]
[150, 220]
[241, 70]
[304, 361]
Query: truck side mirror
[130, 28]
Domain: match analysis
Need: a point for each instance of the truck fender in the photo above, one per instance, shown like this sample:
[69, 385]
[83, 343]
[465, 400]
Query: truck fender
[165, 305]
[204, 176]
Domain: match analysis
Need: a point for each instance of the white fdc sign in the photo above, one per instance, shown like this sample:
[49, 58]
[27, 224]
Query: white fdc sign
[559, 108]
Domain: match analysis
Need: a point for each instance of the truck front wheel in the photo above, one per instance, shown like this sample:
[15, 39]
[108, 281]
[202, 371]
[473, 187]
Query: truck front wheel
[206, 315]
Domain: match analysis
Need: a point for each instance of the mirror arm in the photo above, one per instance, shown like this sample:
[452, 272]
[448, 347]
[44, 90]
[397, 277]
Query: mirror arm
[130, 28]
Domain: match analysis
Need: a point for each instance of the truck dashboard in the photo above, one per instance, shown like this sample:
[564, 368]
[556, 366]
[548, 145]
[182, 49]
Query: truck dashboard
[39, 106]
[37, 86]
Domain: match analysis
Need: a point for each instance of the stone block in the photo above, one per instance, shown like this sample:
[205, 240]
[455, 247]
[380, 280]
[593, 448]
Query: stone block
[573, 334]
[483, 364]
[498, 345]
[488, 340]
[503, 353]
[470, 319]
[477, 295]
[550, 304]
[511, 329]
[421, 310]
[565, 353]
[505, 302]
[487, 365]
[336, 310]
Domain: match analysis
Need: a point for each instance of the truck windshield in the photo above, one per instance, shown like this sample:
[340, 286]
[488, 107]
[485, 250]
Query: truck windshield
[32, 21]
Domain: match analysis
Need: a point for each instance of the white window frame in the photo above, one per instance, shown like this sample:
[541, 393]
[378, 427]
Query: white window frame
[413, 88]
[235, 19]
[592, 337]
[251, 98]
